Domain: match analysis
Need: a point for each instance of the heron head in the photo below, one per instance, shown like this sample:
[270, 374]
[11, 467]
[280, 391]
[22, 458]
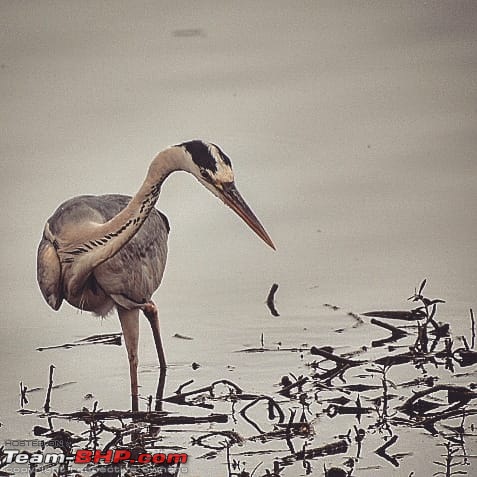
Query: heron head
[213, 169]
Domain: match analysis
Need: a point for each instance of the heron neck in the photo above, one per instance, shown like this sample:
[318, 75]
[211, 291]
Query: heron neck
[121, 228]
[102, 241]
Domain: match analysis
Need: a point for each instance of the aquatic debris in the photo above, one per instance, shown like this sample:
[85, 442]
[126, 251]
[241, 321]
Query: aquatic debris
[107, 338]
[396, 333]
[338, 447]
[159, 418]
[288, 385]
[457, 396]
[271, 298]
[46, 407]
[182, 337]
[180, 397]
[382, 452]
[406, 315]
[352, 387]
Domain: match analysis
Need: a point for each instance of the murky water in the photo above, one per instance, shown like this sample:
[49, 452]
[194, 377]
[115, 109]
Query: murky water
[351, 128]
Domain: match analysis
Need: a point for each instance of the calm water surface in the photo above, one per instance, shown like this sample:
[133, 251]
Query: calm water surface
[352, 130]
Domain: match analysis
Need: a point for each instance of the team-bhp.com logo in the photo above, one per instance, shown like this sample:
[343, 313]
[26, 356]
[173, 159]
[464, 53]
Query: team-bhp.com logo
[84, 456]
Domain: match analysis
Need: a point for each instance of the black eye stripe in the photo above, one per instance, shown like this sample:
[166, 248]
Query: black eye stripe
[200, 154]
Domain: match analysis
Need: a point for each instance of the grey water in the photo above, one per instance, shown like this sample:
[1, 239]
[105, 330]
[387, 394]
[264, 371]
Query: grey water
[352, 130]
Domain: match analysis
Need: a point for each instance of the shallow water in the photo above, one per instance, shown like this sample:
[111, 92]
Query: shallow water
[352, 131]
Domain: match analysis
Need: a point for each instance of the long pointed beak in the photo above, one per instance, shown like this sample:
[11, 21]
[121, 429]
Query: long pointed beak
[231, 196]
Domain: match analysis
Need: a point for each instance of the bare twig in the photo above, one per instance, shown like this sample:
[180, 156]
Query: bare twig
[271, 402]
[381, 451]
[472, 321]
[179, 398]
[182, 386]
[46, 407]
[108, 338]
[160, 418]
[23, 394]
[231, 437]
[271, 298]
[298, 383]
[457, 396]
[338, 447]
[396, 333]
[333, 357]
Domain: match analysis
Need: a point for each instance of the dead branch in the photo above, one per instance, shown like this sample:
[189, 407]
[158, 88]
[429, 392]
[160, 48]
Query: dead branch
[231, 437]
[338, 447]
[46, 407]
[298, 383]
[428, 423]
[271, 402]
[180, 397]
[107, 338]
[333, 409]
[154, 417]
[472, 321]
[332, 357]
[396, 333]
[412, 315]
[459, 395]
[381, 451]
[271, 298]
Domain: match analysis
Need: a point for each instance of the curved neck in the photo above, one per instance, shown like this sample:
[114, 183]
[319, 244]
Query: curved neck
[121, 228]
[101, 241]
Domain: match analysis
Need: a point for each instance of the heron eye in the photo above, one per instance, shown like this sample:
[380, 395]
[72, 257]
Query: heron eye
[205, 174]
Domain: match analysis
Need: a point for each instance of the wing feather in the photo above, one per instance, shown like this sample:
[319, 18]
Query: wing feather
[48, 273]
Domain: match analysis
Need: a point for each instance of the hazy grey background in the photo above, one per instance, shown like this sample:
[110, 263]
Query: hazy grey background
[351, 126]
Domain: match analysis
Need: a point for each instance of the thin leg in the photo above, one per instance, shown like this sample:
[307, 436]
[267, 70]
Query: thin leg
[150, 311]
[130, 325]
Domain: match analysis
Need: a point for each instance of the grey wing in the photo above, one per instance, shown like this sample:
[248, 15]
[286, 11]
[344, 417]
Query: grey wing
[48, 272]
[133, 274]
[130, 276]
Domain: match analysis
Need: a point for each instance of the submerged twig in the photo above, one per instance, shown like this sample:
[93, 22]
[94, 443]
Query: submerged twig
[108, 338]
[272, 404]
[23, 394]
[333, 357]
[298, 383]
[271, 298]
[180, 397]
[338, 447]
[182, 337]
[46, 407]
[472, 321]
[396, 333]
[412, 315]
[155, 417]
[381, 451]
[457, 396]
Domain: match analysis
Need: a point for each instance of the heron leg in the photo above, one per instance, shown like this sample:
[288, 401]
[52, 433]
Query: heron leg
[130, 325]
[150, 311]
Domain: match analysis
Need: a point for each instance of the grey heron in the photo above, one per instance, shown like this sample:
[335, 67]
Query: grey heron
[104, 252]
